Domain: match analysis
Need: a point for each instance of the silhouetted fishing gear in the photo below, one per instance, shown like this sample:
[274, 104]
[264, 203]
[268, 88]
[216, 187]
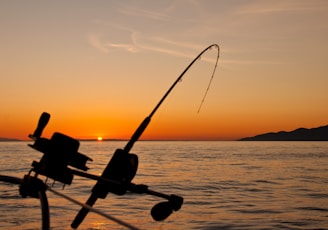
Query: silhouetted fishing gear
[130, 161]
[59, 152]
[61, 156]
[34, 187]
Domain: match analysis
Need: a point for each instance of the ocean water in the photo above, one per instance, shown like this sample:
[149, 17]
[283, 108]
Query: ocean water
[225, 185]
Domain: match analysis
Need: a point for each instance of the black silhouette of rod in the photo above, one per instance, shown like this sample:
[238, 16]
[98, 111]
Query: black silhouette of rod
[139, 131]
[135, 137]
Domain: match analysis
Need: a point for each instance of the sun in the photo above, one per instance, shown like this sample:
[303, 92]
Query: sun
[99, 138]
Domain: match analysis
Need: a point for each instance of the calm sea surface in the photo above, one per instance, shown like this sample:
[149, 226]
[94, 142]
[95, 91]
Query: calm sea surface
[225, 185]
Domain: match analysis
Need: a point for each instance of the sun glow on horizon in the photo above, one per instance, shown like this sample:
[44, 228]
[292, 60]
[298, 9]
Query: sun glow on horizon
[99, 138]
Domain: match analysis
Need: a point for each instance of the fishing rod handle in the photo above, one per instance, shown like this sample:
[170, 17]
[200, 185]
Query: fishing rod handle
[84, 211]
[43, 121]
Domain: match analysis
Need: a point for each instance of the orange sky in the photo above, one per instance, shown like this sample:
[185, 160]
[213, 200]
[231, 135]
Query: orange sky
[100, 67]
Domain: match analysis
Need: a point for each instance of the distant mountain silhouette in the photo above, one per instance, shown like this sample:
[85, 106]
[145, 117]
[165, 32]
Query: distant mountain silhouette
[301, 134]
[8, 139]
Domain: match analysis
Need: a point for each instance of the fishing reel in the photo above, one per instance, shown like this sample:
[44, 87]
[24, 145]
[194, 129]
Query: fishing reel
[59, 152]
[121, 169]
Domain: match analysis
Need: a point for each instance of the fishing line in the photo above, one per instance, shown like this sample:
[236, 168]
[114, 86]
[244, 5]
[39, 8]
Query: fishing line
[110, 217]
[210, 82]
[45, 207]
[179, 79]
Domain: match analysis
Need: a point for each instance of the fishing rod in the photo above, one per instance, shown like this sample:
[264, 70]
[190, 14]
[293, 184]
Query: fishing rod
[147, 120]
[130, 161]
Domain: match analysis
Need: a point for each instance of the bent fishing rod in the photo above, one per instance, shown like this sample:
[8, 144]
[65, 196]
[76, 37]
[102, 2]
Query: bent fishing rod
[122, 157]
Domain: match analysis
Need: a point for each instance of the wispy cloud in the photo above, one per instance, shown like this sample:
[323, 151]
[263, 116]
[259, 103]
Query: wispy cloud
[142, 43]
[95, 42]
[285, 6]
[106, 46]
[167, 36]
[155, 29]
[154, 15]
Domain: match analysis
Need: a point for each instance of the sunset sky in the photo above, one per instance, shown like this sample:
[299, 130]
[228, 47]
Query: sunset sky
[100, 67]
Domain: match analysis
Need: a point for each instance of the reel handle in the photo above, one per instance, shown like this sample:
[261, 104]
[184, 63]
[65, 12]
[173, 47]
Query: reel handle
[43, 121]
